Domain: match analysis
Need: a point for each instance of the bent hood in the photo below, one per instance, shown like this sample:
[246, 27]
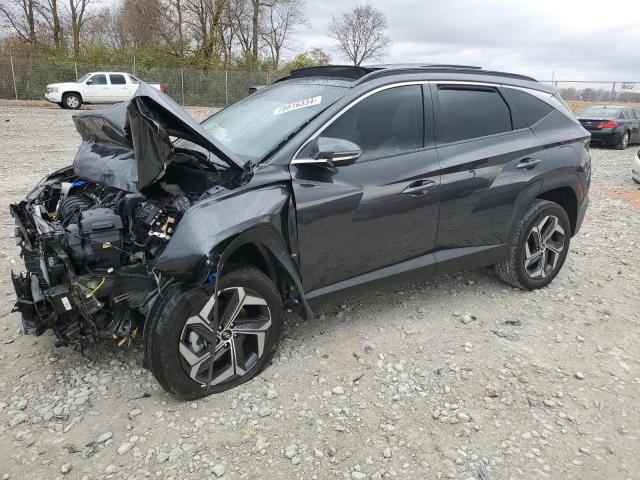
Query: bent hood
[128, 145]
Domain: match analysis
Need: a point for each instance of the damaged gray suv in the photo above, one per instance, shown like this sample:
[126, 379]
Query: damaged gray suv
[199, 237]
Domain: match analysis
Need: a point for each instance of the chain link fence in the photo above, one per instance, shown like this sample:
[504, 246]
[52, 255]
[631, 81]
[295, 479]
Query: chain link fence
[27, 78]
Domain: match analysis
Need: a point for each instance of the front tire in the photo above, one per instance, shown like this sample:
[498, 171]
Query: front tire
[538, 248]
[72, 101]
[181, 337]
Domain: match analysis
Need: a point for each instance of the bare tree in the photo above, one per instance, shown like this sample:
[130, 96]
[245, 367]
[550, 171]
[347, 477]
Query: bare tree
[78, 11]
[49, 11]
[20, 16]
[173, 26]
[143, 20]
[361, 34]
[280, 22]
[240, 25]
[204, 19]
[319, 56]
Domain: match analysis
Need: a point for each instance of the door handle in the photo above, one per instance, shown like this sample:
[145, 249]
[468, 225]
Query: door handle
[419, 187]
[528, 163]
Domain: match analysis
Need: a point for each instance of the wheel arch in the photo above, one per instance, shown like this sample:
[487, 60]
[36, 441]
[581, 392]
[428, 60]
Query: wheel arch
[262, 247]
[74, 93]
[565, 197]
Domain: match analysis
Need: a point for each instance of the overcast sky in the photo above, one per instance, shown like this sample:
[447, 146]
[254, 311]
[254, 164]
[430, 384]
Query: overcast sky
[579, 39]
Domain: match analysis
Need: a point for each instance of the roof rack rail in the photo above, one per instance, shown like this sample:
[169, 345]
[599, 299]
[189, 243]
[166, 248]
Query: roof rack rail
[361, 74]
[391, 69]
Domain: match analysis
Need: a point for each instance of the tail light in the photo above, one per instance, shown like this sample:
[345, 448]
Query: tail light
[609, 124]
[162, 89]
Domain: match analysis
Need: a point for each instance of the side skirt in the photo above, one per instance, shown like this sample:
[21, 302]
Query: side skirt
[420, 268]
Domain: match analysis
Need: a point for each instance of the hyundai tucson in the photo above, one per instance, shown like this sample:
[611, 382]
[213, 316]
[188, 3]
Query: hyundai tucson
[197, 238]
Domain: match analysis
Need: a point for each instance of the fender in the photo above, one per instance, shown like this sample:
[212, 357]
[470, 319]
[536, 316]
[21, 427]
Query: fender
[211, 231]
[267, 238]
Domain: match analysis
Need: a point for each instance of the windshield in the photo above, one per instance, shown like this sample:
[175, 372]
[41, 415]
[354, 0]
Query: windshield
[255, 126]
[83, 78]
[600, 112]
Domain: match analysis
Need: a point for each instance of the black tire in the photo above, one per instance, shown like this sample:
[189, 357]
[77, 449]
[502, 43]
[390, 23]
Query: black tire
[513, 271]
[165, 333]
[72, 101]
[623, 141]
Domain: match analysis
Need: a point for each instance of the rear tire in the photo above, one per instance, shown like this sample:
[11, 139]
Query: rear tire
[72, 101]
[623, 141]
[180, 338]
[538, 248]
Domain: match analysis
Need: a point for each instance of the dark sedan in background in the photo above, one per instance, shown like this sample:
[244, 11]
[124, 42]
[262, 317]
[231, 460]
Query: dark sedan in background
[614, 126]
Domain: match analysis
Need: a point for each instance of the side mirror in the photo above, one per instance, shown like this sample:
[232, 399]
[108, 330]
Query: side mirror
[330, 151]
[89, 82]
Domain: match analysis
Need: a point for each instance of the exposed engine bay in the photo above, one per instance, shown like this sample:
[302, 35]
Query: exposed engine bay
[89, 246]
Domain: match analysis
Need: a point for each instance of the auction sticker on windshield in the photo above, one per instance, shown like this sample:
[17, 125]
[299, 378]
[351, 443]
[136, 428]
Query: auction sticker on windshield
[309, 102]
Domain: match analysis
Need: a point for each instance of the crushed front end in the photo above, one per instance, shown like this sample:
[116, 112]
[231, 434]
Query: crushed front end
[88, 252]
[90, 233]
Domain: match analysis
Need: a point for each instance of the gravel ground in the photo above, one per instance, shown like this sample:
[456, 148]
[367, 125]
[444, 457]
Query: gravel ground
[460, 377]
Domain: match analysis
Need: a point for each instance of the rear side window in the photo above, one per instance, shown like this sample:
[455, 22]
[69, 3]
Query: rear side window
[386, 123]
[531, 109]
[117, 79]
[99, 79]
[466, 113]
[633, 114]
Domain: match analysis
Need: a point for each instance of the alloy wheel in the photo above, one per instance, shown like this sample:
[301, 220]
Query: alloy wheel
[244, 322]
[543, 248]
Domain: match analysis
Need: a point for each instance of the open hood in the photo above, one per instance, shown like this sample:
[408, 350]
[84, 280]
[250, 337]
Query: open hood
[128, 145]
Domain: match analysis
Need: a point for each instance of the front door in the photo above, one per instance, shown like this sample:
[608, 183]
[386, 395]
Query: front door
[380, 210]
[96, 89]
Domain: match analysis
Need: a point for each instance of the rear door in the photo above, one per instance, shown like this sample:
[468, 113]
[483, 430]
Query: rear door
[96, 89]
[488, 159]
[119, 90]
[357, 219]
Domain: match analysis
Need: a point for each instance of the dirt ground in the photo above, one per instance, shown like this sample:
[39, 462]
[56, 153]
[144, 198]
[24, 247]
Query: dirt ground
[460, 377]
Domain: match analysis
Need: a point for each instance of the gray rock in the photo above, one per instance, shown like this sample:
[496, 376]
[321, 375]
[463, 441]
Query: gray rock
[66, 468]
[175, 454]
[124, 448]
[218, 470]
[18, 419]
[135, 413]
[104, 437]
[290, 451]
[271, 394]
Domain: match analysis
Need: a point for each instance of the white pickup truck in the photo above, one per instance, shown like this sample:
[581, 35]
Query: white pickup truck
[95, 87]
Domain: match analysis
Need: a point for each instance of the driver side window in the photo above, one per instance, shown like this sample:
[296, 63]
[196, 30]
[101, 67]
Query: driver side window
[385, 124]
